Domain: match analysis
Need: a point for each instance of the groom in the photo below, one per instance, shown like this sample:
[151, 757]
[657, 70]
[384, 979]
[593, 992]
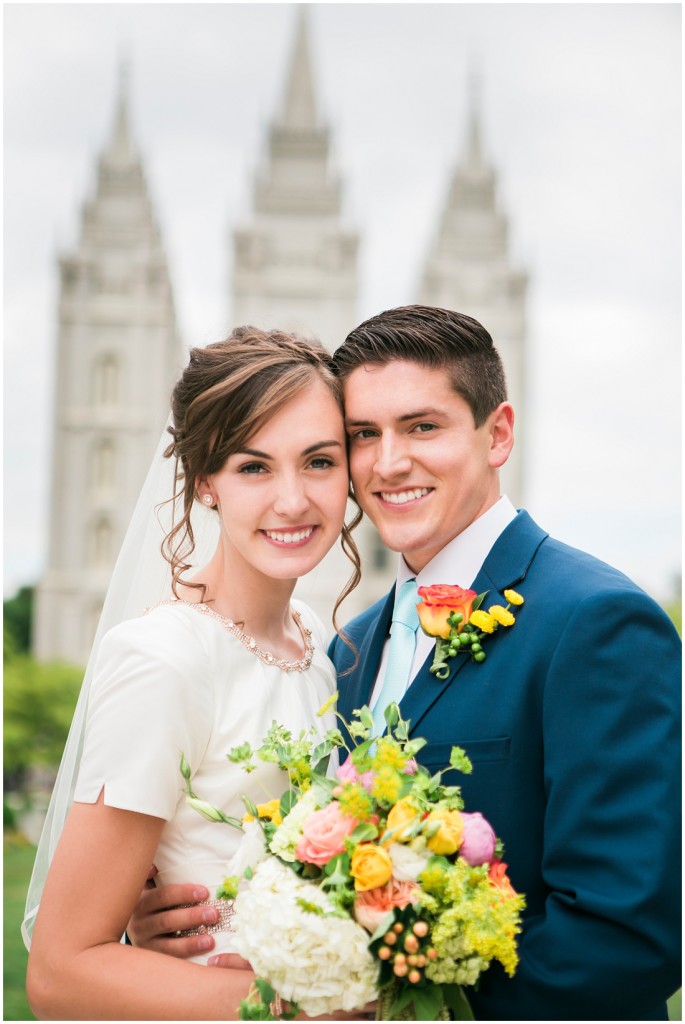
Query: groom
[571, 721]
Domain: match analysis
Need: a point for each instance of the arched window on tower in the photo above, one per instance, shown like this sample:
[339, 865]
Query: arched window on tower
[103, 465]
[106, 381]
[101, 544]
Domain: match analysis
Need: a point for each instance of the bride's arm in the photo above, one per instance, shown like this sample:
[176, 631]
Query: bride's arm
[78, 968]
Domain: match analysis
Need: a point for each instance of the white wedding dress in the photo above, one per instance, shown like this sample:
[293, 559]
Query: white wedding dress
[177, 681]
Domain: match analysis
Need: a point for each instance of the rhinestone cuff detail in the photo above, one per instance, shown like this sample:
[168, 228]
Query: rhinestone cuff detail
[226, 912]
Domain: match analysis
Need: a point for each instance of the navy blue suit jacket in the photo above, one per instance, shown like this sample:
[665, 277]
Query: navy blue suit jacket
[573, 726]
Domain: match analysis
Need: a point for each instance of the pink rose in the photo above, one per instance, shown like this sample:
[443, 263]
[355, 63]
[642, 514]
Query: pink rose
[323, 835]
[372, 906]
[478, 844]
[348, 773]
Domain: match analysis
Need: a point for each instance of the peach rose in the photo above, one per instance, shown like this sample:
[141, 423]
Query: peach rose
[437, 602]
[500, 879]
[370, 867]
[323, 835]
[372, 906]
[447, 837]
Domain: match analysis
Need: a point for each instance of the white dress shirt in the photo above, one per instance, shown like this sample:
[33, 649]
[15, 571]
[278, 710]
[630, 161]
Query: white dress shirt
[457, 564]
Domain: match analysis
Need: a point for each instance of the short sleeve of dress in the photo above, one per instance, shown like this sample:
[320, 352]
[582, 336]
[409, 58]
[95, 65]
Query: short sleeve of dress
[151, 701]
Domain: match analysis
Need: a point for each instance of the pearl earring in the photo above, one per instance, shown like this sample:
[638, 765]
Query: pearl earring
[208, 499]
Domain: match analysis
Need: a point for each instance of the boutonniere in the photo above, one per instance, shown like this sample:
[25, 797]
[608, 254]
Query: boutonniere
[455, 618]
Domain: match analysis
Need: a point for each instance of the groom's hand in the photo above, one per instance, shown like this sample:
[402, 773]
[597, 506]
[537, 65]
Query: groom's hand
[162, 912]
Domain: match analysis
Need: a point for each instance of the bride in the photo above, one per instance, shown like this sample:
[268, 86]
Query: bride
[258, 449]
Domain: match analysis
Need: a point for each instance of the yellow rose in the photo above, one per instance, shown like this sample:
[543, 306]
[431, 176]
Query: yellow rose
[271, 810]
[400, 818]
[448, 836]
[370, 867]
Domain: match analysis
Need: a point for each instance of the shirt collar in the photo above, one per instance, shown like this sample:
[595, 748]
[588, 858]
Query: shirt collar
[461, 560]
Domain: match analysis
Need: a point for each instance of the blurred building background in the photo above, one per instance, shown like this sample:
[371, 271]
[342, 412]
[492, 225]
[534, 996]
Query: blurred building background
[294, 266]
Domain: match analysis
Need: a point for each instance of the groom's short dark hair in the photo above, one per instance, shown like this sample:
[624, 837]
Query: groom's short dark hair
[433, 337]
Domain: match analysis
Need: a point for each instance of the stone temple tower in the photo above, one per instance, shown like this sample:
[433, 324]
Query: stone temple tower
[118, 355]
[295, 267]
[469, 269]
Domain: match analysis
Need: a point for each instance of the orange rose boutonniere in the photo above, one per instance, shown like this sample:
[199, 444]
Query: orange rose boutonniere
[455, 618]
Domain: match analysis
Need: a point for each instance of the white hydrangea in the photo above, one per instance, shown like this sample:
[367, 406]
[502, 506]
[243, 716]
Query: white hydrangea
[319, 961]
[289, 832]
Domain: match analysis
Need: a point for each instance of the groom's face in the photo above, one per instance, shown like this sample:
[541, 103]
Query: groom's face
[422, 471]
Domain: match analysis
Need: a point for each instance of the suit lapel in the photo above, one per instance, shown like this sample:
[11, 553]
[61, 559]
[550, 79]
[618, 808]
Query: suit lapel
[506, 565]
[356, 689]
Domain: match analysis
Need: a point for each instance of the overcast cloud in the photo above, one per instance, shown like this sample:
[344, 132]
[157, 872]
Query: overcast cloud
[582, 119]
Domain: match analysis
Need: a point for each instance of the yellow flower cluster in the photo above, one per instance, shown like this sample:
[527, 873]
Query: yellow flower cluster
[355, 801]
[479, 922]
[387, 785]
[501, 615]
[496, 615]
[300, 772]
[389, 754]
[481, 620]
[434, 878]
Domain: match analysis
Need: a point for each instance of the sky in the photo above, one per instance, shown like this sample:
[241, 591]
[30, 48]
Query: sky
[581, 108]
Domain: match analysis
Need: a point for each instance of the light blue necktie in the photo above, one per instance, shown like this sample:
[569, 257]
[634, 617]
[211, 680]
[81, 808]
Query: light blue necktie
[405, 622]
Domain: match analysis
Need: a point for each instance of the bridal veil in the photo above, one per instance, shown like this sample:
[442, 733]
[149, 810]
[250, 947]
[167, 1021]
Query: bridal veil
[141, 578]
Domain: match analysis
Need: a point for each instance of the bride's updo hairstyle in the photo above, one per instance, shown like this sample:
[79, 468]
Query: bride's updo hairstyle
[226, 394]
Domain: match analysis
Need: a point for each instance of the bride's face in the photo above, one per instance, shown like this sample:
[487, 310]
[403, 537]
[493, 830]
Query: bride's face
[282, 499]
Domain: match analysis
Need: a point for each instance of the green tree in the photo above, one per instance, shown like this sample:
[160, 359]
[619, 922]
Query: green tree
[39, 703]
[18, 618]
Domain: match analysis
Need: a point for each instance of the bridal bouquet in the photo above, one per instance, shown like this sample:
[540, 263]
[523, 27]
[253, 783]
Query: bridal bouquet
[369, 882]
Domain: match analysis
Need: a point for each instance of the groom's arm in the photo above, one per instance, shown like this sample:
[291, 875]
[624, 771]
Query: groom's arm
[164, 911]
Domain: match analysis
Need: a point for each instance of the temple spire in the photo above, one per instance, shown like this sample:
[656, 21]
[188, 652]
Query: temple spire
[474, 160]
[470, 268]
[120, 150]
[299, 108]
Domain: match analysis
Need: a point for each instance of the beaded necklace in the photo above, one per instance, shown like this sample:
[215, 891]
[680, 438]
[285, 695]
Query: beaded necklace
[249, 641]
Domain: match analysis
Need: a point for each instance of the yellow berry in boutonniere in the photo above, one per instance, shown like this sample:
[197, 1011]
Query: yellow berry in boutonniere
[444, 830]
[482, 620]
[512, 597]
[501, 615]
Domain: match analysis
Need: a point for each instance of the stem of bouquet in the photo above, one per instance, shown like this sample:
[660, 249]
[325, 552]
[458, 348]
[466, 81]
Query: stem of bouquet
[264, 1003]
[396, 1002]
